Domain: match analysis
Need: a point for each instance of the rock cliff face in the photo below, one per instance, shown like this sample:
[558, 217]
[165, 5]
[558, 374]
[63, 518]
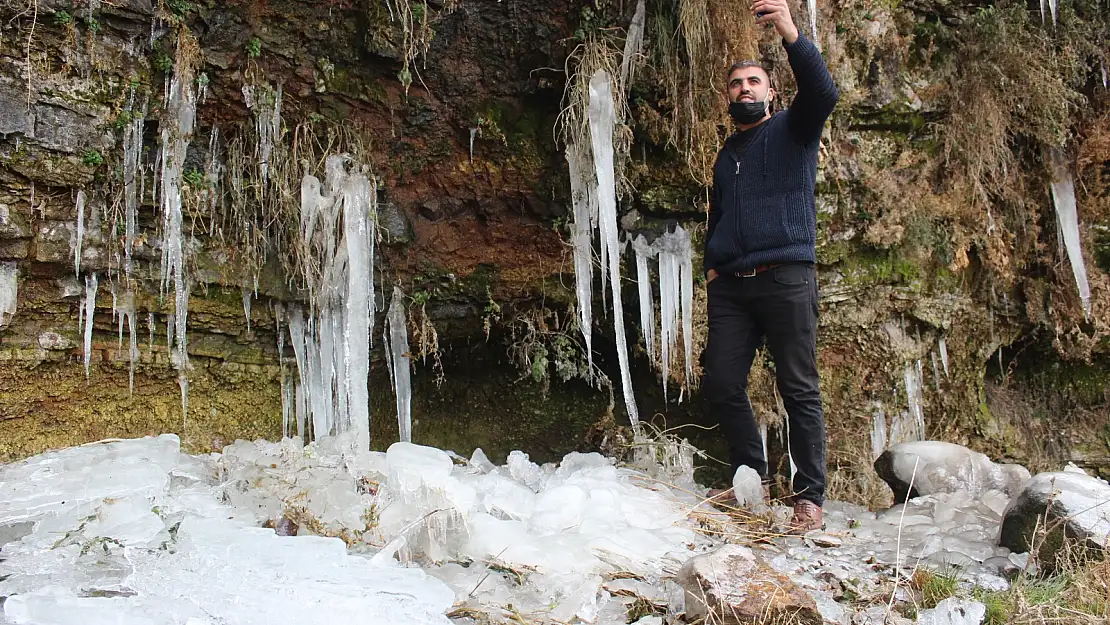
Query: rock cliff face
[940, 267]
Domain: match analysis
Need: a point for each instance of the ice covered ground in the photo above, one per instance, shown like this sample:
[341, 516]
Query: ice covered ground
[137, 532]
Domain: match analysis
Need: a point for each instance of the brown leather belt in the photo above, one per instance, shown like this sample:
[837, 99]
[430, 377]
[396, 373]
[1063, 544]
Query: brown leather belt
[754, 272]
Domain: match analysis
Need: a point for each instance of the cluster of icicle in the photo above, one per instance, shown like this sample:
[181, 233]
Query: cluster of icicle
[177, 132]
[676, 298]
[593, 195]
[332, 338]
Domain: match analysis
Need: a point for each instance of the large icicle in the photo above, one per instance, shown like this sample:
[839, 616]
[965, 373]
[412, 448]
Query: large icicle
[581, 240]
[333, 345]
[633, 44]
[176, 134]
[686, 285]
[132, 165]
[643, 253]
[90, 309]
[676, 299]
[358, 207]
[669, 305]
[602, 118]
[397, 337]
[1063, 198]
[77, 249]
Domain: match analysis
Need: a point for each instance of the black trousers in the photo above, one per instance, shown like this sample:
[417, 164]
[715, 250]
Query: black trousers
[778, 305]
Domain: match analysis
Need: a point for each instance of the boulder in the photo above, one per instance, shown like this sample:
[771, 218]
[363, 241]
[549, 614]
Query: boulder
[945, 468]
[733, 586]
[1066, 507]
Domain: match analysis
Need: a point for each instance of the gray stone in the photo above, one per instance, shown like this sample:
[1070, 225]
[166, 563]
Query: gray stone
[1063, 507]
[64, 130]
[13, 224]
[54, 341]
[939, 467]
[54, 243]
[14, 116]
[817, 538]
[393, 221]
[15, 250]
[734, 586]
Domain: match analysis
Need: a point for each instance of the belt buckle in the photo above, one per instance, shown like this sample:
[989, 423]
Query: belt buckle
[749, 274]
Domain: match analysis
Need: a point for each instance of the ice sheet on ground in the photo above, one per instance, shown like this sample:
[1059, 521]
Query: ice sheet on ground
[138, 532]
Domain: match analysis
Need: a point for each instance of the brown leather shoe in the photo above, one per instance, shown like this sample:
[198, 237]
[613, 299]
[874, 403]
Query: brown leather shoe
[807, 517]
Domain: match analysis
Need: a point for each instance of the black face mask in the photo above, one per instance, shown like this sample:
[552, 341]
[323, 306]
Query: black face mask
[747, 112]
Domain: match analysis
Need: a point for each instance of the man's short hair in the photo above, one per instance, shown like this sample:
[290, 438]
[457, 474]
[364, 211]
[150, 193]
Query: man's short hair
[747, 64]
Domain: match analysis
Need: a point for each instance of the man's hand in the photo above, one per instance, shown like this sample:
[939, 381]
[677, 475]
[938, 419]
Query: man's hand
[778, 13]
[710, 275]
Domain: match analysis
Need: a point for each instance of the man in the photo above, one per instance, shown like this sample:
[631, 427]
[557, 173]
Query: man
[759, 261]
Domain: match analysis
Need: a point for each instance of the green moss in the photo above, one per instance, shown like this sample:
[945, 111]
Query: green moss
[871, 267]
[92, 158]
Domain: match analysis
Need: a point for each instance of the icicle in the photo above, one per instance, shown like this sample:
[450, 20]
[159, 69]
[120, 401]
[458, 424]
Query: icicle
[878, 432]
[1104, 77]
[1063, 198]
[1042, 11]
[686, 285]
[936, 372]
[132, 166]
[150, 329]
[789, 456]
[90, 309]
[943, 346]
[633, 44]
[117, 315]
[359, 207]
[176, 134]
[676, 299]
[643, 252]
[602, 118]
[812, 6]
[669, 309]
[80, 232]
[247, 308]
[397, 338]
[473, 133]
[268, 129]
[763, 436]
[581, 239]
[1052, 8]
[912, 377]
[126, 309]
[300, 352]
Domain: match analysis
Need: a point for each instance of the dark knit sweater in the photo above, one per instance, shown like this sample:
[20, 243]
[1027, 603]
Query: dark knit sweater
[762, 210]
